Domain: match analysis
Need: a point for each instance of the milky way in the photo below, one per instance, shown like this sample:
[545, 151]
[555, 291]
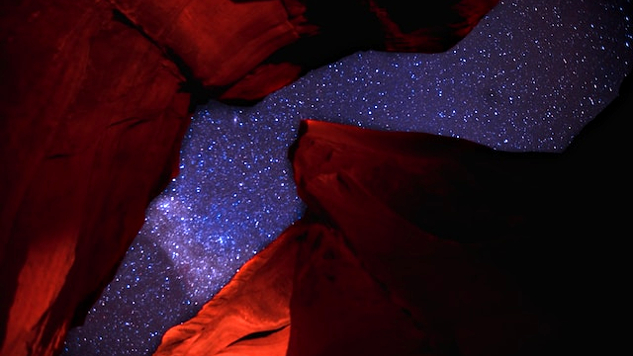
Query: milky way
[527, 78]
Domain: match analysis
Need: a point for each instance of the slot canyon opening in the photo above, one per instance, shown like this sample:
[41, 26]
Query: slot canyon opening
[518, 82]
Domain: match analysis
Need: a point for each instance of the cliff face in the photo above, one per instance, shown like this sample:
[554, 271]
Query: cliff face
[90, 131]
[94, 101]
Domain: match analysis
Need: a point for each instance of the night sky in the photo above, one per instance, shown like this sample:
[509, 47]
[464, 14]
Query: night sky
[527, 78]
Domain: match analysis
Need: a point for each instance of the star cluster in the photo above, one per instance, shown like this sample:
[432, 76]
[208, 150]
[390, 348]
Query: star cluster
[528, 78]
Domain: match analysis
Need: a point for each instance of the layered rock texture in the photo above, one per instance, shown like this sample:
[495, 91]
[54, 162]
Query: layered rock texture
[96, 96]
[414, 244]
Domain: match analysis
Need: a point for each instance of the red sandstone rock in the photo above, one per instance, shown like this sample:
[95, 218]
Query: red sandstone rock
[94, 101]
[251, 314]
[433, 210]
[90, 133]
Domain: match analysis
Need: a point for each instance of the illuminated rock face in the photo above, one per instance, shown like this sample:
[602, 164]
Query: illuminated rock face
[90, 132]
[94, 101]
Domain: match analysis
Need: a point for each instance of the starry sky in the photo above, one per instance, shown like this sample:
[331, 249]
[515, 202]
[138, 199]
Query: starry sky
[528, 78]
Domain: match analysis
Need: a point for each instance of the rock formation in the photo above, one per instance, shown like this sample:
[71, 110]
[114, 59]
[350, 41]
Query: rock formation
[96, 96]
